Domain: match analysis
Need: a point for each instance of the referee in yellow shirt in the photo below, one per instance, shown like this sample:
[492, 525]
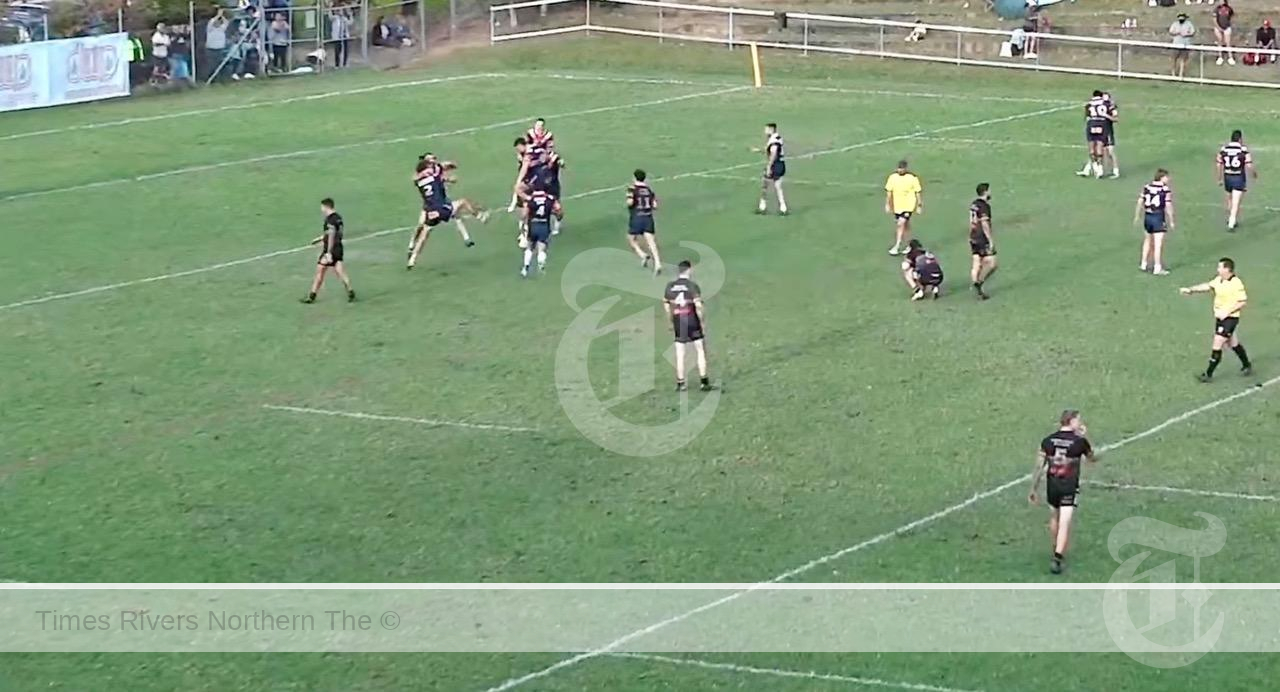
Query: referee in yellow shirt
[1229, 298]
[903, 197]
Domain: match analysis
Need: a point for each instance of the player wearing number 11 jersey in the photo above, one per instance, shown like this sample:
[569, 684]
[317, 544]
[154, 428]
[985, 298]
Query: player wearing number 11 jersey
[1235, 165]
[1155, 207]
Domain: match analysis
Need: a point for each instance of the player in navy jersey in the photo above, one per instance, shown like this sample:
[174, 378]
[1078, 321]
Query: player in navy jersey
[1235, 165]
[540, 211]
[430, 178]
[982, 243]
[642, 201]
[1113, 117]
[1155, 207]
[551, 171]
[775, 169]
[1097, 122]
[922, 270]
[331, 252]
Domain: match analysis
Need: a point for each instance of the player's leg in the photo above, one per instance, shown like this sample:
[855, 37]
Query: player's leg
[527, 262]
[1063, 537]
[975, 274]
[341, 270]
[782, 198]
[463, 206]
[1053, 528]
[1215, 356]
[1115, 162]
[1157, 254]
[651, 241]
[316, 283]
[1233, 213]
[418, 231]
[1146, 252]
[764, 192]
[417, 247]
[633, 239]
[1246, 367]
[679, 362]
[700, 352]
[901, 231]
[542, 255]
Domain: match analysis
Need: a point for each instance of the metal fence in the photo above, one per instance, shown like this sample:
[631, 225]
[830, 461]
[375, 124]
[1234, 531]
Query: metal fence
[822, 33]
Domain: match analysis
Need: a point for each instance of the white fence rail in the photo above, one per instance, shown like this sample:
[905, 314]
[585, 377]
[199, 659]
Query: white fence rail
[823, 33]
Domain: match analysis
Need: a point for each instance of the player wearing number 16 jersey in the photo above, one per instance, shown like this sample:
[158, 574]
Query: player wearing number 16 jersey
[1155, 207]
[1235, 165]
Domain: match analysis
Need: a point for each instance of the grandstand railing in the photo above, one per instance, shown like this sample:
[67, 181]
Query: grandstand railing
[825, 33]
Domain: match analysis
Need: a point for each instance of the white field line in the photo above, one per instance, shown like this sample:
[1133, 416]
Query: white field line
[589, 193]
[1185, 491]
[613, 646]
[781, 673]
[247, 106]
[431, 422]
[188, 272]
[368, 143]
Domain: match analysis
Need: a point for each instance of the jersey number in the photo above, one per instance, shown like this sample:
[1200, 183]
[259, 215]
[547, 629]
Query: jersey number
[1232, 162]
[1152, 201]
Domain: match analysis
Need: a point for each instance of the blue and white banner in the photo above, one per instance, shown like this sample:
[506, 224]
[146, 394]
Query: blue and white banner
[51, 73]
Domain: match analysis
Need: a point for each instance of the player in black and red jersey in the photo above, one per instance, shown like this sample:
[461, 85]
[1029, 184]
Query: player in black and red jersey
[331, 252]
[642, 201]
[1097, 121]
[982, 243]
[682, 301]
[922, 271]
[1058, 459]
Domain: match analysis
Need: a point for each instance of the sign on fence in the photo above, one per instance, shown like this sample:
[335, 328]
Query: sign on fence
[50, 73]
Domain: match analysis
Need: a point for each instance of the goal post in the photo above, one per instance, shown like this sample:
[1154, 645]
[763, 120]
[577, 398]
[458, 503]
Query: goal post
[757, 75]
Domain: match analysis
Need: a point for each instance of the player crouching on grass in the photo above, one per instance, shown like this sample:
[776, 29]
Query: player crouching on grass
[922, 271]
[330, 252]
[1059, 461]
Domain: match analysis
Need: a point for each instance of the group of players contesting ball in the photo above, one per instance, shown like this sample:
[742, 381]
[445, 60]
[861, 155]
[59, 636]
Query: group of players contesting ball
[537, 196]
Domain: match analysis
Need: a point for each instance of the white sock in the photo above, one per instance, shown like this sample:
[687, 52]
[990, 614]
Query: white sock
[462, 229]
[763, 206]
[542, 258]
[555, 225]
[528, 258]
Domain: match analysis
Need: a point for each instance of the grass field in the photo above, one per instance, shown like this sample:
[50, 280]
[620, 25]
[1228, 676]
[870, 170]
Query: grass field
[148, 298]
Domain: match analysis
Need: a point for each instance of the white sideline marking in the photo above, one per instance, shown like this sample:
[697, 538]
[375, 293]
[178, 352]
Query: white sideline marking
[580, 195]
[1185, 491]
[611, 647]
[188, 272]
[247, 106]
[781, 673]
[432, 422]
[368, 143]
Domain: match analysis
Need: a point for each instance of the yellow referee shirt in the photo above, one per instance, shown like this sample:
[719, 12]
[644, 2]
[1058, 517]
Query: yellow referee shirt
[904, 189]
[1227, 294]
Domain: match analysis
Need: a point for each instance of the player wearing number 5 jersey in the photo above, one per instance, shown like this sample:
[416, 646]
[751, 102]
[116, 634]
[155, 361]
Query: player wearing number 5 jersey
[1229, 298]
[1155, 208]
[1235, 165]
[682, 300]
[1058, 460]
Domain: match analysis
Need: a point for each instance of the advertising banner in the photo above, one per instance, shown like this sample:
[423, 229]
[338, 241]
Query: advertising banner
[51, 73]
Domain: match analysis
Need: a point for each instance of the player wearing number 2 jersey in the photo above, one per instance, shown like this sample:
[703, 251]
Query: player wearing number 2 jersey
[430, 177]
[1235, 165]
[1155, 208]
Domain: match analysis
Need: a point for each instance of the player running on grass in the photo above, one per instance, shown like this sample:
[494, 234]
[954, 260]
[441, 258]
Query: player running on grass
[1058, 459]
[540, 211]
[642, 201]
[330, 252]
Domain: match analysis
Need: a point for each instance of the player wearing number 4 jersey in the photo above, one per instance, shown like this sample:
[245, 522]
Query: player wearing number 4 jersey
[1235, 165]
[1058, 460]
[1155, 208]
[1229, 298]
[682, 300]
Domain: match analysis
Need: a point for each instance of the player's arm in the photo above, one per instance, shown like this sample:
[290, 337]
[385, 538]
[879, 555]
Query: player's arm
[1253, 170]
[888, 199]
[558, 210]
[1089, 455]
[1198, 288]
[521, 174]
[1042, 462]
[919, 198]
[666, 307]
[697, 310]
[1169, 213]
[986, 230]
[1137, 210]
[631, 197]
[330, 236]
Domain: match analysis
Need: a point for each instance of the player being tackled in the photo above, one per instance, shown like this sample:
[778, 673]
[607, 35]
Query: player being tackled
[430, 178]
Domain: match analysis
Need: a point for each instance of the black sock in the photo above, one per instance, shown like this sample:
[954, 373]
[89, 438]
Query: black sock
[706, 380]
[1242, 355]
[1214, 359]
[311, 296]
[1057, 556]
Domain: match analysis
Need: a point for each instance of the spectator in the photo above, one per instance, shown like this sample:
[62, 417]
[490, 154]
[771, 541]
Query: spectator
[1266, 39]
[1182, 31]
[180, 53]
[1031, 27]
[215, 42]
[279, 36]
[340, 32]
[160, 43]
[399, 34]
[380, 33]
[1222, 16]
[918, 32]
[242, 57]
[137, 61]
[1017, 42]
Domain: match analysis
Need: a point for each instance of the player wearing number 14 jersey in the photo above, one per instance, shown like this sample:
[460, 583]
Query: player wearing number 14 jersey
[1155, 208]
[1235, 165]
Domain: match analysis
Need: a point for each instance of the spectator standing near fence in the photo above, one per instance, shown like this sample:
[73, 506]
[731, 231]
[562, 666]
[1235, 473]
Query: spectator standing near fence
[160, 42]
[180, 53]
[1223, 13]
[278, 35]
[340, 33]
[215, 42]
[1182, 31]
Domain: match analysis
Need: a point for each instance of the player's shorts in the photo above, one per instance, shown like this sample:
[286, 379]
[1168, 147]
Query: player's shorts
[934, 279]
[688, 328]
[903, 215]
[335, 256]
[553, 188]
[1062, 492]
[437, 215]
[1095, 131]
[1226, 327]
[1154, 223]
[1234, 183]
[640, 224]
[540, 232]
[777, 171]
[981, 247]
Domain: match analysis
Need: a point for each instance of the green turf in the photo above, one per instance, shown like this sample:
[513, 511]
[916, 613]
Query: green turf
[136, 445]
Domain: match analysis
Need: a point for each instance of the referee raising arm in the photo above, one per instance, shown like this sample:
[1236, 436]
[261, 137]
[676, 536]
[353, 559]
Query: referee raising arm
[1229, 298]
